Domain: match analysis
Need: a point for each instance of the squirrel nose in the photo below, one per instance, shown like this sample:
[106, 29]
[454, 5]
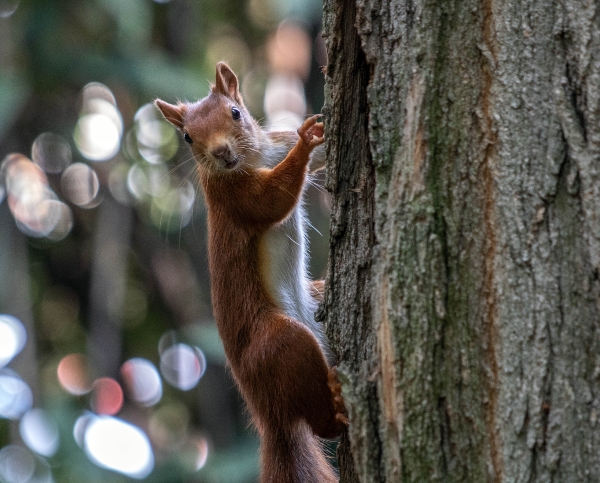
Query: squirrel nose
[221, 152]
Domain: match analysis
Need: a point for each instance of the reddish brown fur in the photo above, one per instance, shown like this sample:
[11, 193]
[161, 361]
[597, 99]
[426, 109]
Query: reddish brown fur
[276, 361]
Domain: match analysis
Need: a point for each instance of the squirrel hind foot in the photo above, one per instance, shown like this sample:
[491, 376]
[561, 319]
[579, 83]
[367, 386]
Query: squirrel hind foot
[341, 414]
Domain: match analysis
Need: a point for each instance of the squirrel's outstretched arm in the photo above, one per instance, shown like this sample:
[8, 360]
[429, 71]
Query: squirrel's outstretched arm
[282, 141]
[271, 194]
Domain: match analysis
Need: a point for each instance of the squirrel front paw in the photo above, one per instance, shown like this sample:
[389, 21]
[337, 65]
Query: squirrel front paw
[341, 415]
[311, 131]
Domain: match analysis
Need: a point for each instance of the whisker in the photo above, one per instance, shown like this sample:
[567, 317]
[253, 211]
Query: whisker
[293, 241]
[179, 165]
[316, 185]
[310, 225]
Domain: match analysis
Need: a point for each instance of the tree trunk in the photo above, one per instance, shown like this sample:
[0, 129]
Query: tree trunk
[463, 297]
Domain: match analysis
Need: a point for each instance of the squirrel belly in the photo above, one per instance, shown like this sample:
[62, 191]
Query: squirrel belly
[283, 258]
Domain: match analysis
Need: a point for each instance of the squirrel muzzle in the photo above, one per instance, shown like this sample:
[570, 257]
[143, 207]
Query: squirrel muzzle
[224, 154]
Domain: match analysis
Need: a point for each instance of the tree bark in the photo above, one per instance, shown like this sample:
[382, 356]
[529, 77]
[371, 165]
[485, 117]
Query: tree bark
[463, 293]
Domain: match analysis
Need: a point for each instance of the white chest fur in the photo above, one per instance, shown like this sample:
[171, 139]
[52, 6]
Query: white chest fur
[285, 272]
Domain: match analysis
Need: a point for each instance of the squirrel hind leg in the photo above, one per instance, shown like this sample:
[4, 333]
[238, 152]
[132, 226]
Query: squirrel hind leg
[331, 422]
[324, 409]
[295, 367]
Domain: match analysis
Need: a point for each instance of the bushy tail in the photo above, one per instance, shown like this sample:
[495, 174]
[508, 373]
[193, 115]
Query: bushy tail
[294, 456]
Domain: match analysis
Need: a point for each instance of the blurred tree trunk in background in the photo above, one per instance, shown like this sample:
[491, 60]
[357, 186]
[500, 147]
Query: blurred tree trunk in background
[463, 296]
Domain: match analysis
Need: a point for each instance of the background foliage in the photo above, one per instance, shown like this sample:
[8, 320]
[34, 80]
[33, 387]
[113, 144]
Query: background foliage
[104, 296]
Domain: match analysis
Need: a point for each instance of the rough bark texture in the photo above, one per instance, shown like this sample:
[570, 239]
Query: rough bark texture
[463, 296]
[350, 176]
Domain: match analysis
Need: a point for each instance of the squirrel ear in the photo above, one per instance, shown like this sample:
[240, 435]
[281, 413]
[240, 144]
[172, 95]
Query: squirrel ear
[227, 83]
[173, 114]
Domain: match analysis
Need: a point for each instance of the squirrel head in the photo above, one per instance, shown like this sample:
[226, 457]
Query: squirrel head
[222, 134]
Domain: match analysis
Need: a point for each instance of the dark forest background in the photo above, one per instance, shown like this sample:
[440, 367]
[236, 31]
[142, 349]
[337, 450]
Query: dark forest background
[110, 364]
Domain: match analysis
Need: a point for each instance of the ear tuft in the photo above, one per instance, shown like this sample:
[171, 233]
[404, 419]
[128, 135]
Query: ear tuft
[227, 83]
[173, 114]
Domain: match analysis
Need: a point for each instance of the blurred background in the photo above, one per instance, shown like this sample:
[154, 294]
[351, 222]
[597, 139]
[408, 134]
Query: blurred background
[111, 369]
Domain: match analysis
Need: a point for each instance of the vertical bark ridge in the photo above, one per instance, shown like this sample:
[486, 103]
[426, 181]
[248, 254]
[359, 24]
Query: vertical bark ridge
[347, 304]
[489, 61]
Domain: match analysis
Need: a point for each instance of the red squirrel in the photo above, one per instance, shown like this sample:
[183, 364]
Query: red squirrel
[262, 301]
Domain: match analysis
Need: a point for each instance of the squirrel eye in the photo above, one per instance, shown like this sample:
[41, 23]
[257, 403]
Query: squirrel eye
[235, 113]
[187, 138]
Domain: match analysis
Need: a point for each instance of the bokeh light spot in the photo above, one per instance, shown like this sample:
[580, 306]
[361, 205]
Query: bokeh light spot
[289, 50]
[39, 432]
[142, 381]
[156, 138]
[18, 171]
[168, 426]
[73, 374]
[80, 427]
[166, 340]
[117, 445]
[79, 183]
[33, 204]
[201, 446]
[107, 396]
[145, 180]
[51, 152]
[157, 180]
[193, 452]
[62, 221]
[100, 126]
[94, 91]
[97, 137]
[36, 216]
[17, 465]
[12, 338]
[182, 366]
[2, 188]
[285, 102]
[174, 209]
[15, 395]
[137, 182]
[8, 7]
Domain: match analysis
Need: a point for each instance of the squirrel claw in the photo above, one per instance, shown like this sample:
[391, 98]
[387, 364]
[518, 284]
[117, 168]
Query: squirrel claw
[311, 131]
